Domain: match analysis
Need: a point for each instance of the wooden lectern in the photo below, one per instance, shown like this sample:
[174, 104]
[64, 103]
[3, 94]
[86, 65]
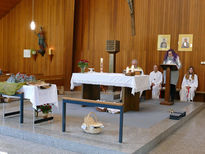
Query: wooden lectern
[168, 68]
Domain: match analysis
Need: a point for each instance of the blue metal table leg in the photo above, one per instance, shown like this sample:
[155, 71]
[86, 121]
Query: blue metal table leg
[21, 107]
[121, 125]
[63, 116]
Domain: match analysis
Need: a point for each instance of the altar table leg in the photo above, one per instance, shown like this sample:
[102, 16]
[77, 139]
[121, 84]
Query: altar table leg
[63, 116]
[21, 107]
[121, 125]
[131, 102]
[91, 92]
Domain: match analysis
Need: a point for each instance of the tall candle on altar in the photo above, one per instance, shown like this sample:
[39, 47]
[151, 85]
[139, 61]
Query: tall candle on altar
[101, 64]
[101, 60]
[132, 68]
[127, 69]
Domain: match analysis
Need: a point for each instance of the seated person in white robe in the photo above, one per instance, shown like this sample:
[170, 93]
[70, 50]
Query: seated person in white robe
[155, 79]
[189, 85]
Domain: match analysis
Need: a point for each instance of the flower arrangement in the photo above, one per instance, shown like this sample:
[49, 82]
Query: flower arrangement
[46, 108]
[83, 64]
[20, 78]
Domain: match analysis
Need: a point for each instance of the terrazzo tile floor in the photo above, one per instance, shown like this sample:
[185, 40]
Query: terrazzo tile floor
[135, 137]
[10, 145]
[189, 139]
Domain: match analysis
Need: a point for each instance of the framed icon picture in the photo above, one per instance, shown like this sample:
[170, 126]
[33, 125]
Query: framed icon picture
[163, 43]
[185, 42]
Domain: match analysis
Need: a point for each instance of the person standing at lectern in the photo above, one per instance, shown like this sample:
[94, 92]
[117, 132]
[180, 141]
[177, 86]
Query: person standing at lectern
[171, 57]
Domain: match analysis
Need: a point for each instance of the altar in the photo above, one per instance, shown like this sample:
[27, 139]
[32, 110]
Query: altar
[37, 97]
[131, 86]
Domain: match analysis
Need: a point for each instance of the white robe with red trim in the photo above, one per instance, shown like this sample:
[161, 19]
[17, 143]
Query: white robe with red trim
[187, 94]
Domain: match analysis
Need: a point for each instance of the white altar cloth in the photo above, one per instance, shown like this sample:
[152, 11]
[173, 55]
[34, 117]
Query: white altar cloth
[137, 83]
[39, 96]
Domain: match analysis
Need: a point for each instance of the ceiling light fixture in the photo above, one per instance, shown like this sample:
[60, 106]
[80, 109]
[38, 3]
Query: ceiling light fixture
[33, 25]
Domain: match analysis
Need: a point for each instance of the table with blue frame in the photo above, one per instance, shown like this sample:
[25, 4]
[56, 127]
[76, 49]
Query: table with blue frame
[94, 104]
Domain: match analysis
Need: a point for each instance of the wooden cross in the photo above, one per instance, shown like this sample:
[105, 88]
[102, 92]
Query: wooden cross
[132, 14]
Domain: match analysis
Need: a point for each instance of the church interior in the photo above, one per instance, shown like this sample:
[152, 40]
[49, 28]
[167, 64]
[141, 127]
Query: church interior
[102, 76]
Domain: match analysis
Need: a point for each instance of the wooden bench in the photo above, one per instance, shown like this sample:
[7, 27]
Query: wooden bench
[197, 96]
[200, 92]
[197, 92]
[92, 103]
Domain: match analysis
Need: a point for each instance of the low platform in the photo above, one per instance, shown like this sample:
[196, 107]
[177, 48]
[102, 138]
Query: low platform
[142, 130]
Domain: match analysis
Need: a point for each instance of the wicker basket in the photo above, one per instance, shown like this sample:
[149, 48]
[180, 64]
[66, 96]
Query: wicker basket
[91, 124]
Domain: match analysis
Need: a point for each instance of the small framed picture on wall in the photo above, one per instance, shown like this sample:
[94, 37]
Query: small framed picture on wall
[185, 42]
[163, 43]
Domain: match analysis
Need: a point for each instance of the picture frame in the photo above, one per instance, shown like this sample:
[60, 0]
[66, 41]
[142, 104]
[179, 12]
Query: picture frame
[185, 42]
[163, 43]
[27, 53]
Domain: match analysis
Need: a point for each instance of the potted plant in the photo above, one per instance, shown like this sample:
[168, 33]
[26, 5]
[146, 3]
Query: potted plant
[45, 109]
[83, 64]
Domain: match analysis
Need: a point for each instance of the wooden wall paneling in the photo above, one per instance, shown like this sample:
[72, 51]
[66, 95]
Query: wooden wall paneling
[178, 17]
[56, 17]
[68, 41]
[97, 21]
[6, 6]
[1, 46]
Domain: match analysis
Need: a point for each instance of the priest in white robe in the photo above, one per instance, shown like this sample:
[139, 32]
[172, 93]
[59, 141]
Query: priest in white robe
[135, 67]
[189, 85]
[155, 78]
